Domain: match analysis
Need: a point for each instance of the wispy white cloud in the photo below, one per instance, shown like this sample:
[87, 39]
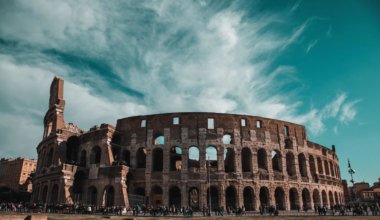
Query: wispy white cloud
[311, 45]
[181, 55]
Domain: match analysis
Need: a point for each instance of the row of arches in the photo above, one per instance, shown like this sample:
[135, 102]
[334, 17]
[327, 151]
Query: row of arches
[229, 157]
[291, 199]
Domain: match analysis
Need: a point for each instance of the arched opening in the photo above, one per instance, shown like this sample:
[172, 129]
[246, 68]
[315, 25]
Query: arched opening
[288, 144]
[320, 169]
[156, 195]
[331, 198]
[83, 158]
[193, 162]
[231, 197]
[175, 158]
[229, 160]
[129, 180]
[290, 164]
[159, 140]
[279, 196]
[227, 139]
[109, 196]
[276, 161]
[72, 149]
[312, 166]
[264, 197]
[324, 198]
[246, 160]
[327, 170]
[95, 155]
[54, 194]
[293, 199]
[78, 186]
[194, 198]
[214, 196]
[50, 157]
[336, 198]
[332, 169]
[126, 157]
[316, 199]
[44, 194]
[302, 165]
[175, 197]
[140, 191]
[249, 198]
[262, 159]
[92, 195]
[141, 158]
[157, 160]
[212, 156]
[306, 201]
[116, 150]
[116, 139]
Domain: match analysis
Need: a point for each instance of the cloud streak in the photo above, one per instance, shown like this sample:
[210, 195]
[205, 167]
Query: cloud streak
[151, 57]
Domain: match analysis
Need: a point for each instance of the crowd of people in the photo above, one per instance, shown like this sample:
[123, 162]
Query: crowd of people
[142, 210]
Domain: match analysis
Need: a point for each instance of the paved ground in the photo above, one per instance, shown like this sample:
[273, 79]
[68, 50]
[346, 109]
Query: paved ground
[10, 216]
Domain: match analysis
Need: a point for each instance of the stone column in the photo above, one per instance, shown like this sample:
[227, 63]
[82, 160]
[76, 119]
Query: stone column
[220, 158]
[184, 195]
[222, 196]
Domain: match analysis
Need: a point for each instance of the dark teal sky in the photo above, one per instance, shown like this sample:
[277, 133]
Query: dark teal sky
[314, 63]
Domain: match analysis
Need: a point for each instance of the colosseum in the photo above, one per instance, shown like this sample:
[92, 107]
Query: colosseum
[189, 159]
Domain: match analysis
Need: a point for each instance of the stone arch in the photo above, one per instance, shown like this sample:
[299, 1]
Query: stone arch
[302, 164]
[213, 195]
[246, 160]
[126, 157]
[231, 197]
[332, 169]
[264, 197]
[320, 168]
[109, 196]
[227, 139]
[157, 160]
[159, 140]
[212, 156]
[306, 201]
[316, 198]
[290, 164]
[336, 198]
[327, 170]
[229, 160]
[324, 198]
[72, 148]
[194, 198]
[54, 194]
[141, 158]
[83, 158]
[78, 186]
[276, 161]
[249, 198]
[312, 166]
[288, 143]
[293, 199]
[92, 195]
[331, 198]
[156, 195]
[279, 195]
[96, 154]
[175, 197]
[44, 194]
[50, 157]
[175, 158]
[262, 161]
[193, 160]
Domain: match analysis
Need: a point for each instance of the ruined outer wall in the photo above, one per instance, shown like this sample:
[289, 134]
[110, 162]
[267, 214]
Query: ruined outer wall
[320, 185]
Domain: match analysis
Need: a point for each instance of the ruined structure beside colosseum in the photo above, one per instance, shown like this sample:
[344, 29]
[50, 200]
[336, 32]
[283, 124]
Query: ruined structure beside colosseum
[164, 159]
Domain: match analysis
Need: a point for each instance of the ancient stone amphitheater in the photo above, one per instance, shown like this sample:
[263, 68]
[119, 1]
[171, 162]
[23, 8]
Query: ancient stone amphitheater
[184, 159]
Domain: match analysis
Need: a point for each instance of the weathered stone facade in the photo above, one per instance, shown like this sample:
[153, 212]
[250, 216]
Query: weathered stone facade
[169, 158]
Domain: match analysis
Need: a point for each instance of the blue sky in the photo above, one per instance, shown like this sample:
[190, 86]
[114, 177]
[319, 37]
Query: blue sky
[310, 62]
